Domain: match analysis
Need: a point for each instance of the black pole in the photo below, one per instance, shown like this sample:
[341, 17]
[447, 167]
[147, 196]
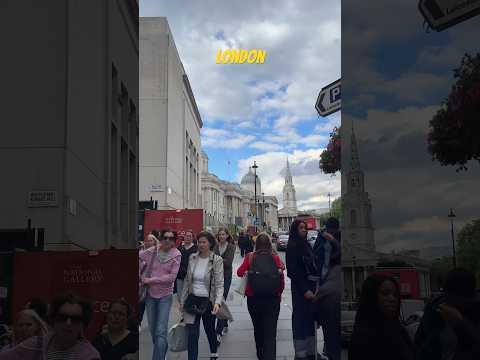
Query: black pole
[255, 195]
[453, 247]
[452, 216]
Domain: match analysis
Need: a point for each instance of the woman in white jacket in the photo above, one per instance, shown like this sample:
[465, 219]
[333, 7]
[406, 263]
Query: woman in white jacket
[202, 289]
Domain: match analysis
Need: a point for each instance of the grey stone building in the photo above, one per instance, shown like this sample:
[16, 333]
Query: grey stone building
[70, 151]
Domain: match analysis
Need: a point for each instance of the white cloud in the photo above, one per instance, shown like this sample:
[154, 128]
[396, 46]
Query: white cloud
[311, 185]
[222, 139]
[301, 40]
[265, 146]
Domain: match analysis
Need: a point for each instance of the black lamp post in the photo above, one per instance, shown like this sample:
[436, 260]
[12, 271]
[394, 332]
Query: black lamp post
[263, 210]
[452, 216]
[255, 167]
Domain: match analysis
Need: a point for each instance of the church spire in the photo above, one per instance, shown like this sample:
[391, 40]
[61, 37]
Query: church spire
[355, 159]
[288, 174]
[289, 196]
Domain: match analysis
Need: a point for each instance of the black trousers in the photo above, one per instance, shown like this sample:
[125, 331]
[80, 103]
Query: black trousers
[194, 333]
[242, 251]
[264, 313]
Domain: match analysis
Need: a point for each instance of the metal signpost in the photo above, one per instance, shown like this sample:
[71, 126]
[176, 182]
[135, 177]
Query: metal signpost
[329, 99]
[442, 14]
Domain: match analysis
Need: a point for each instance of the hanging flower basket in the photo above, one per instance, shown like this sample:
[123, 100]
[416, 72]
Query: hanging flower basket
[331, 158]
[454, 136]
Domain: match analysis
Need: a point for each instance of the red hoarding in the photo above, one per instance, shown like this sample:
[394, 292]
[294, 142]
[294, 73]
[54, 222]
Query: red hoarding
[176, 220]
[407, 279]
[101, 278]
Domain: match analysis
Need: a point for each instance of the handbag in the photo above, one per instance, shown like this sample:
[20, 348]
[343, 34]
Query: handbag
[148, 272]
[197, 305]
[224, 312]
[178, 337]
[242, 285]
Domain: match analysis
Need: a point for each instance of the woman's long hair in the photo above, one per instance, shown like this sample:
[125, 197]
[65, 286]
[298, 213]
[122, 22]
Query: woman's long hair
[229, 237]
[294, 241]
[369, 312]
[42, 326]
[263, 243]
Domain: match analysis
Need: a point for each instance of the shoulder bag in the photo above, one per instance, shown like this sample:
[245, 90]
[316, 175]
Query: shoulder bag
[197, 305]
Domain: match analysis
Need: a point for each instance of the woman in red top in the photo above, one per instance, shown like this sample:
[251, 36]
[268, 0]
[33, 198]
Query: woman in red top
[264, 310]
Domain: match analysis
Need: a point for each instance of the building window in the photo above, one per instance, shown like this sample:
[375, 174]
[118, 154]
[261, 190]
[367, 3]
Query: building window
[114, 93]
[124, 112]
[114, 198]
[132, 120]
[353, 217]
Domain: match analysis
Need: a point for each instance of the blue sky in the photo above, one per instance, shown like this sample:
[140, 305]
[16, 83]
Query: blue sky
[261, 112]
[395, 76]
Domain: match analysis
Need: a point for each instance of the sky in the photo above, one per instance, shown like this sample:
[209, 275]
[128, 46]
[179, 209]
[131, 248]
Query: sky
[394, 78]
[261, 112]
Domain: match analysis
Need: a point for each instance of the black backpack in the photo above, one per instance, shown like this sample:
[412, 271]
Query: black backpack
[263, 275]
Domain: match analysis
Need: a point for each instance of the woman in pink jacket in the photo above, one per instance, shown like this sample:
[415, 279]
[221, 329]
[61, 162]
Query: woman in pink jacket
[160, 281]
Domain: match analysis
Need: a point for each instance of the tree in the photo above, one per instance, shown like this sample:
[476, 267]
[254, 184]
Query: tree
[336, 208]
[468, 252]
[331, 158]
[454, 136]
[335, 211]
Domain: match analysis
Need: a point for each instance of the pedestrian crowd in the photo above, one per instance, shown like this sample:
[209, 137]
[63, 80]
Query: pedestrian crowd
[56, 331]
[199, 270]
[449, 328]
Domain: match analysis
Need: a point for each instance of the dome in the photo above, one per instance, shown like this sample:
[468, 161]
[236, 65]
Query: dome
[248, 182]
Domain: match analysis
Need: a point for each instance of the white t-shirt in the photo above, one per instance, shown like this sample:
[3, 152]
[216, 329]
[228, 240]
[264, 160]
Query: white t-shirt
[199, 286]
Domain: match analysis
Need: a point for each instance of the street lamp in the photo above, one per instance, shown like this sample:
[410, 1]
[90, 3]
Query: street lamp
[255, 167]
[451, 217]
[263, 210]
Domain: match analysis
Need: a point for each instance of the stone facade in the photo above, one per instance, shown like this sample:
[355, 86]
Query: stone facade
[359, 254]
[170, 123]
[72, 128]
[225, 203]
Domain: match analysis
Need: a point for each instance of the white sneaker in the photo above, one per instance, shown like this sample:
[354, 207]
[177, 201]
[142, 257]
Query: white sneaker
[213, 356]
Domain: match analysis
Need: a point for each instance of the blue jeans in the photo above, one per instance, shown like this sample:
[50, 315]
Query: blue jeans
[158, 312]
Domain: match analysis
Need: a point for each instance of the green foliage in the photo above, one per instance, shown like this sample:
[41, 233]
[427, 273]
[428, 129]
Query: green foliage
[335, 211]
[468, 248]
[454, 137]
[439, 271]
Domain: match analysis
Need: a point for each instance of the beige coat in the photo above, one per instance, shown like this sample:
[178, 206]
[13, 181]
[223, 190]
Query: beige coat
[216, 293]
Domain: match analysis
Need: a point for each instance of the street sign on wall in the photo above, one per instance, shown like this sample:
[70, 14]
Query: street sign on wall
[42, 199]
[329, 99]
[442, 14]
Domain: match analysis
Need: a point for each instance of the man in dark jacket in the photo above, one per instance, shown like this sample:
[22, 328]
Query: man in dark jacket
[450, 327]
[326, 306]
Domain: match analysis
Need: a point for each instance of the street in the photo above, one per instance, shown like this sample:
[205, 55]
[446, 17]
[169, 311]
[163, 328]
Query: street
[239, 342]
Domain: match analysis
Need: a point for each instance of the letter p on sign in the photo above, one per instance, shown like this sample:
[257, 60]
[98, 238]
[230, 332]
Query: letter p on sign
[335, 94]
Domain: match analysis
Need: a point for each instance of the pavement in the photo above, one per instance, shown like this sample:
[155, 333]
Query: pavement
[239, 342]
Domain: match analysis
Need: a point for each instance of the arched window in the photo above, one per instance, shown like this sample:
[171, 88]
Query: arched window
[353, 217]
